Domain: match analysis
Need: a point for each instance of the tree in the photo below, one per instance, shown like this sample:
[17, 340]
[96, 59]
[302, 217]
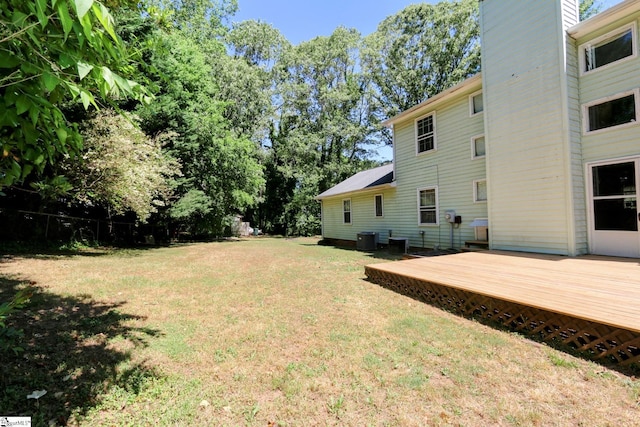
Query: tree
[120, 167]
[51, 52]
[220, 172]
[588, 8]
[421, 51]
[245, 78]
[319, 135]
[200, 20]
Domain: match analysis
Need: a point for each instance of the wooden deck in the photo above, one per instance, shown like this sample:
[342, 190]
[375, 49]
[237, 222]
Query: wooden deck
[591, 303]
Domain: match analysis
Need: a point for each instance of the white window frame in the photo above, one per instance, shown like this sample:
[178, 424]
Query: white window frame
[472, 111]
[475, 190]
[375, 205]
[585, 112]
[473, 147]
[609, 36]
[435, 138]
[437, 208]
[350, 212]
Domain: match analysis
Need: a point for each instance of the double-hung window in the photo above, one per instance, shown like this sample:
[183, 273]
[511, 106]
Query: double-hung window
[378, 202]
[476, 103]
[426, 133]
[428, 206]
[618, 110]
[608, 49]
[480, 190]
[477, 147]
[346, 211]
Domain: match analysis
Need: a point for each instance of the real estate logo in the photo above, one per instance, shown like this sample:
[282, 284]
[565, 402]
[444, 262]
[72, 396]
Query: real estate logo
[15, 421]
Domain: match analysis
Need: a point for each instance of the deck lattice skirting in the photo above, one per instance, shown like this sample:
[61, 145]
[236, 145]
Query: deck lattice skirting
[600, 341]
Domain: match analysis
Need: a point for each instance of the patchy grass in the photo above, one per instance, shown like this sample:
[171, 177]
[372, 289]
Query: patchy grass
[274, 332]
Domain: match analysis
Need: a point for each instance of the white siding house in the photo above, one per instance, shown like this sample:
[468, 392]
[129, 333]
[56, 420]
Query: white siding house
[543, 146]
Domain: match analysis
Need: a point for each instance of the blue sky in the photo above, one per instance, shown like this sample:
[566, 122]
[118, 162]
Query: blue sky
[300, 20]
[303, 20]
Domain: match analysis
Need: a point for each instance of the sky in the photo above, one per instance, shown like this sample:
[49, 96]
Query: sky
[300, 20]
[303, 20]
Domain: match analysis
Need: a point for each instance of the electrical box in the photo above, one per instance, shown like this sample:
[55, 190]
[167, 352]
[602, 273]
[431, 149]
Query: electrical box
[450, 216]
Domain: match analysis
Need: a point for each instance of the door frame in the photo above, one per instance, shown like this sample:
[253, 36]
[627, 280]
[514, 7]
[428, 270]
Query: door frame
[589, 190]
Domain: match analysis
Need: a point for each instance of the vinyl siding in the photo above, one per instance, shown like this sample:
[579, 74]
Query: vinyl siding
[449, 168]
[363, 217]
[527, 127]
[612, 80]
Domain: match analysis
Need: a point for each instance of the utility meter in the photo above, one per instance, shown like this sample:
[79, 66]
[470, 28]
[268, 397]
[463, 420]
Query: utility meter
[450, 216]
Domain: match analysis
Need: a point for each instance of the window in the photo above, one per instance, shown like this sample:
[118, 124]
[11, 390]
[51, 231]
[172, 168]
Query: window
[477, 147]
[378, 205]
[346, 211]
[476, 105]
[618, 110]
[426, 133]
[428, 206]
[609, 48]
[480, 190]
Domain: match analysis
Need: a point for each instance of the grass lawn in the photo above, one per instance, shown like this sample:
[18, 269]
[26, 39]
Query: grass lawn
[274, 332]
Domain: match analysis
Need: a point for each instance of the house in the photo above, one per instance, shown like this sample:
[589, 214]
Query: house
[541, 150]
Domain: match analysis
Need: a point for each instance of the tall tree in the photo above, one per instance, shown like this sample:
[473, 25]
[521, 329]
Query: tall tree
[220, 172]
[245, 78]
[421, 51]
[50, 52]
[321, 130]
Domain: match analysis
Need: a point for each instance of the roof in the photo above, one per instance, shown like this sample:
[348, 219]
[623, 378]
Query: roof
[436, 99]
[604, 18]
[370, 179]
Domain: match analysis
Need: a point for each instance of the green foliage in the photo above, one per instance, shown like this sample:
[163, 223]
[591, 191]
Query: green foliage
[321, 129]
[257, 42]
[120, 167]
[200, 20]
[421, 51]
[52, 51]
[246, 79]
[589, 8]
[9, 336]
[220, 172]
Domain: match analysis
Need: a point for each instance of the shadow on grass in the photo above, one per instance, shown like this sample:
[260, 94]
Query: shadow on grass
[382, 253]
[75, 348]
[52, 251]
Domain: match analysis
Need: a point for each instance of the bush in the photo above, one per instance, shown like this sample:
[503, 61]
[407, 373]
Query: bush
[9, 336]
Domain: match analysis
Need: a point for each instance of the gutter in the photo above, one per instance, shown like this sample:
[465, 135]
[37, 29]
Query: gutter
[604, 18]
[362, 190]
[436, 99]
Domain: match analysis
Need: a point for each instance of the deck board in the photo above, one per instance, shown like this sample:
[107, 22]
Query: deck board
[600, 289]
